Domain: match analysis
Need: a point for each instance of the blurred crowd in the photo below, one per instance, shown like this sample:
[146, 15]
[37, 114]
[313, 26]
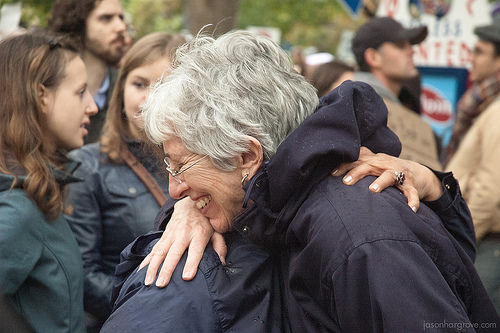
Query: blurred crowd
[80, 179]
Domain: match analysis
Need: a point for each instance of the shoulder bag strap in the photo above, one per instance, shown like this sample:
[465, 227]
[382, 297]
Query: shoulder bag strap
[144, 176]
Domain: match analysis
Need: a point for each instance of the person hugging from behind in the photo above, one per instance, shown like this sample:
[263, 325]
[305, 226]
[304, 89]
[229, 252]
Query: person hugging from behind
[256, 156]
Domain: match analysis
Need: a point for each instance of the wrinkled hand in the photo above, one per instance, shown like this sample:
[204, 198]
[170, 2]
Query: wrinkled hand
[420, 182]
[187, 228]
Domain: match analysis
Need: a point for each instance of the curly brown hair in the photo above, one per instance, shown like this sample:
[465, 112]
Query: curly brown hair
[70, 17]
[26, 62]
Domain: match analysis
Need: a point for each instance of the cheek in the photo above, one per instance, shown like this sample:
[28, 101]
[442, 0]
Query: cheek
[66, 111]
[229, 194]
[64, 129]
[131, 100]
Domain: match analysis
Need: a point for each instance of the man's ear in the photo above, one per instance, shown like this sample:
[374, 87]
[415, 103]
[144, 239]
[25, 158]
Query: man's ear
[253, 158]
[372, 57]
[44, 98]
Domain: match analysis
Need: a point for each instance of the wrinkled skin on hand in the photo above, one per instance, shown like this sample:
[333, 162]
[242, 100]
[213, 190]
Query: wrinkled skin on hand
[420, 182]
[187, 228]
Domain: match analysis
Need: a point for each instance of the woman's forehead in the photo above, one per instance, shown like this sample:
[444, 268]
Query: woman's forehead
[174, 148]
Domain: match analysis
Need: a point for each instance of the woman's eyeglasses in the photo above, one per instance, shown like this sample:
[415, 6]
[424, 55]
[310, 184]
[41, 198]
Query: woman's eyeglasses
[176, 173]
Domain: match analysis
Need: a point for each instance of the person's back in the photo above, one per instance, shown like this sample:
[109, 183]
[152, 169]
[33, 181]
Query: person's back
[383, 50]
[372, 263]
[358, 263]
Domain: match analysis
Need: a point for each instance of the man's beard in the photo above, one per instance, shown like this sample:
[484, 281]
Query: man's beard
[109, 57]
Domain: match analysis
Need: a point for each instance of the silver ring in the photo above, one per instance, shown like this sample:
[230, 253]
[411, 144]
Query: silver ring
[400, 178]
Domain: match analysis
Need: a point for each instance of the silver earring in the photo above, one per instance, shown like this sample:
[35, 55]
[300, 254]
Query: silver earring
[243, 180]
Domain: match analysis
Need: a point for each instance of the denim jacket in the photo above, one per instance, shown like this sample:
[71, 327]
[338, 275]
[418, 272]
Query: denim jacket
[111, 207]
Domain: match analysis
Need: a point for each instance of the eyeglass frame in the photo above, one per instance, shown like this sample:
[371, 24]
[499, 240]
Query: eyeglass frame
[174, 173]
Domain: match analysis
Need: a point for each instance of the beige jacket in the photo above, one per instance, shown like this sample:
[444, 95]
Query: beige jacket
[417, 137]
[476, 165]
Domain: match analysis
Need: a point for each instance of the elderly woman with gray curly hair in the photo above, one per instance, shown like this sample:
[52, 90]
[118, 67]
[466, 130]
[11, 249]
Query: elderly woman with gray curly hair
[247, 142]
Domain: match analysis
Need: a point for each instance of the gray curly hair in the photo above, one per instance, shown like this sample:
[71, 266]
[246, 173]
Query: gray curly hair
[223, 90]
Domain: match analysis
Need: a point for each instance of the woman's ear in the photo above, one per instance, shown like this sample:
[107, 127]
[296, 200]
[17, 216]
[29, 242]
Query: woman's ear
[253, 158]
[44, 96]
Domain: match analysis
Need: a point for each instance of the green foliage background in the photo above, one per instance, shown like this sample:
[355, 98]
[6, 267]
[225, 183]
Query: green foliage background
[302, 22]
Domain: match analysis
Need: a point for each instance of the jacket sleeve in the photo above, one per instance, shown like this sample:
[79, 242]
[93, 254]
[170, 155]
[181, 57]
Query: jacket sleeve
[21, 240]
[454, 213]
[86, 224]
[179, 307]
[392, 286]
[130, 259]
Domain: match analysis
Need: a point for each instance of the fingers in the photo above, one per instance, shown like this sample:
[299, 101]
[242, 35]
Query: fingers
[187, 228]
[390, 178]
[146, 261]
[170, 254]
[196, 238]
[412, 179]
[385, 180]
[197, 246]
[173, 256]
[343, 168]
[220, 247]
[365, 155]
[362, 170]
[413, 200]
[155, 259]
[195, 254]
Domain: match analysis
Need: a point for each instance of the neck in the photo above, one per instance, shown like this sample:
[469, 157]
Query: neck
[96, 71]
[394, 86]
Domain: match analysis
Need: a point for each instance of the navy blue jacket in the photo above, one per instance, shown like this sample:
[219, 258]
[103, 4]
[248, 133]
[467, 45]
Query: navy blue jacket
[355, 261]
[359, 261]
[243, 296]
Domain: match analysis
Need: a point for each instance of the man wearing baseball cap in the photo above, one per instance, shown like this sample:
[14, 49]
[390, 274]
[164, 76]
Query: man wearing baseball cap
[384, 53]
[476, 163]
[485, 65]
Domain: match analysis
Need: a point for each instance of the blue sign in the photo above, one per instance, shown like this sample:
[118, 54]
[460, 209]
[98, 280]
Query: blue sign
[352, 6]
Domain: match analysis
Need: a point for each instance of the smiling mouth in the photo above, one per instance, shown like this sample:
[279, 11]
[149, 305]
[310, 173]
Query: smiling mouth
[200, 204]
